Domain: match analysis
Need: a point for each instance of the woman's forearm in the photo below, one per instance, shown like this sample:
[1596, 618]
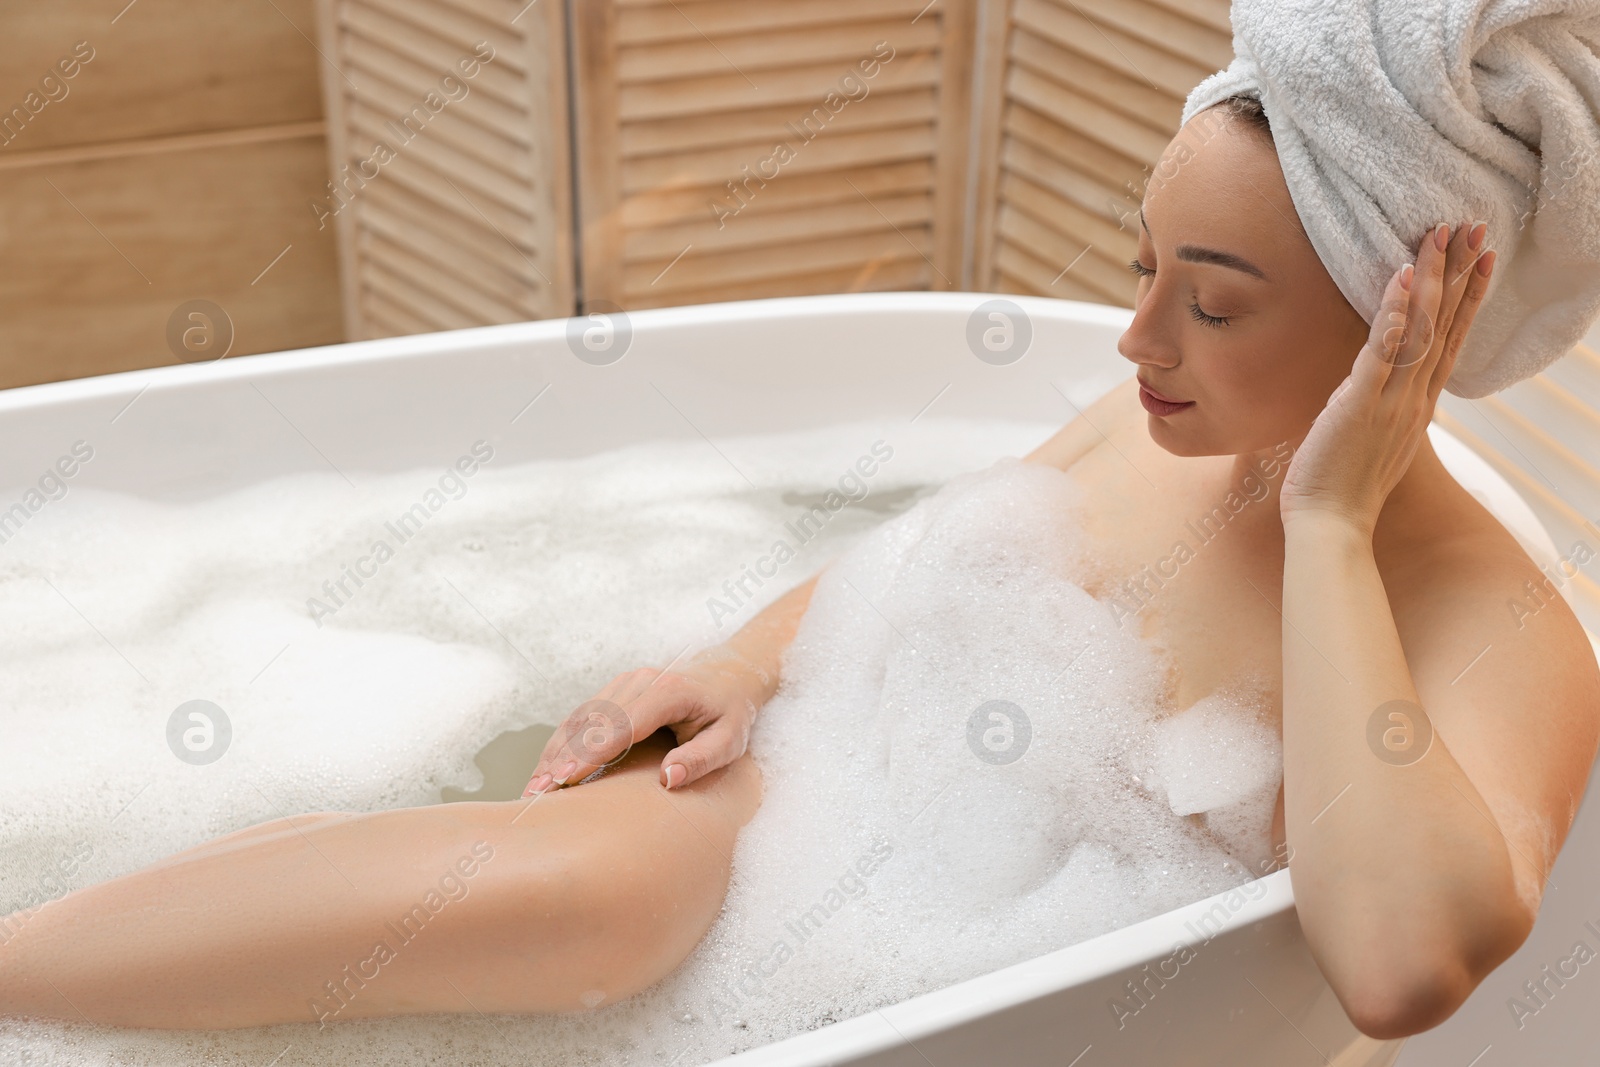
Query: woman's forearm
[1400, 879]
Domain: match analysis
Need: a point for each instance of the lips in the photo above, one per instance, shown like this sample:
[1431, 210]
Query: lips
[1160, 396]
[1155, 404]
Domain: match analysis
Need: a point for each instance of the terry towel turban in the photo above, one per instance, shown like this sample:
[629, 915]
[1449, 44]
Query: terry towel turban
[1392, 116]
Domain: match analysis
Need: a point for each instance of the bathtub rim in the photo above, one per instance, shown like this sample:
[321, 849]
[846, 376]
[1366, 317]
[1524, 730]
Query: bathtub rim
[348, 354]
[1124, 948]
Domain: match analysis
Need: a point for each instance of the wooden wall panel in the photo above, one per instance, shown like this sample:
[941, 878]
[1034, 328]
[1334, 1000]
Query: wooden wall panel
[734, 148]
[179, 164]
[1077, 100]
[470, 222]
[163, 67]
[98, 254]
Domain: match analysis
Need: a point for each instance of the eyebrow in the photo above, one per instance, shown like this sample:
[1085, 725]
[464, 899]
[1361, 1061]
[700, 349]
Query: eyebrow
[1197, 254]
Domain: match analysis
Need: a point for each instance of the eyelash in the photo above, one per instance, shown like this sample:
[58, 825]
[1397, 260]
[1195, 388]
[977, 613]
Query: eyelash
[1194, 309]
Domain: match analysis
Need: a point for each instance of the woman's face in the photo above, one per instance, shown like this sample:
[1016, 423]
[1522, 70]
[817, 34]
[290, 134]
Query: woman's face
[1237, 313]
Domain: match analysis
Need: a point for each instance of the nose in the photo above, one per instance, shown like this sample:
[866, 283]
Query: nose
[1147, 339]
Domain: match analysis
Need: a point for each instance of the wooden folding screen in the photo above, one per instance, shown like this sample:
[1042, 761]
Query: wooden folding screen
[730, 149]
[450, 170]
[727, 149]
[1077, 98]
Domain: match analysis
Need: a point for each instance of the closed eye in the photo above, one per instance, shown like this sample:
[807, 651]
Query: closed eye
[1194, 309]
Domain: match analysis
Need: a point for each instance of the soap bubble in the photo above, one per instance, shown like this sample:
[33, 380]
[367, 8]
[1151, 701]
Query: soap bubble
[199, 732]
[998, 732]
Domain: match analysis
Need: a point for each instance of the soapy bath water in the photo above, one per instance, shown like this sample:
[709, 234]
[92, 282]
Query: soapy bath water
[968, 764]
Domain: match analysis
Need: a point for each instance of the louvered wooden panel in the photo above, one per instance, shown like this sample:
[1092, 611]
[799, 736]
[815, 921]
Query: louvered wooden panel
[470, 223]
[681, 106]
[1077, 100]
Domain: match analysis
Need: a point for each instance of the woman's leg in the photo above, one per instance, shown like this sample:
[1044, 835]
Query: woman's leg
[556, 903]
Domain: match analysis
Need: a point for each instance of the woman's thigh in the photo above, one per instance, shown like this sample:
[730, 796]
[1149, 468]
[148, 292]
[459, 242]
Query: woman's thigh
[639, 871]
[593, 892]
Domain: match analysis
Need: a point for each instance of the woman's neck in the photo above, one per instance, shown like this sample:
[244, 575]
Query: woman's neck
[1268, 465]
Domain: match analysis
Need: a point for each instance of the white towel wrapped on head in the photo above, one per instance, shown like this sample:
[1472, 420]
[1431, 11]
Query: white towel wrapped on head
[1392, 116]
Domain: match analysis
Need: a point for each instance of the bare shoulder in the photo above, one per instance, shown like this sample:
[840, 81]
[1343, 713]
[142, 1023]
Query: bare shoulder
[1108, 417]
[1506, 675]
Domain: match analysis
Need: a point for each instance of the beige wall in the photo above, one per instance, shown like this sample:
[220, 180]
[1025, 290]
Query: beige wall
[176, 164]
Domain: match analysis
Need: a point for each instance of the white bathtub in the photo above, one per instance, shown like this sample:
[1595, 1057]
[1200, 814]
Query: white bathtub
[1250, 995]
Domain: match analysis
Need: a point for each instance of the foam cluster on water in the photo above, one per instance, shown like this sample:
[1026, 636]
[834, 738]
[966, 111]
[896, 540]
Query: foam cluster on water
[968, 764]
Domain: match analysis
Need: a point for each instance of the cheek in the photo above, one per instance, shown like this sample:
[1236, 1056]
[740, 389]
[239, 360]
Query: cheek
[1284, 383]
[1269, 379]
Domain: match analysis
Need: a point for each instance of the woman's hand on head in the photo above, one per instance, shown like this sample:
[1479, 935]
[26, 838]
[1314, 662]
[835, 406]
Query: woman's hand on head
[1361, 444]
[708, 705]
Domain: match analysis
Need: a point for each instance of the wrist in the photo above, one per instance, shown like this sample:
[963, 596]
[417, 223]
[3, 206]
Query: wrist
[1325, 526]
[727, 668]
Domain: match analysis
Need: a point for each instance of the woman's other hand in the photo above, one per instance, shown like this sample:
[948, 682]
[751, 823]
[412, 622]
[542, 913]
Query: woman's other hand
[709, 705]
[1364, 439]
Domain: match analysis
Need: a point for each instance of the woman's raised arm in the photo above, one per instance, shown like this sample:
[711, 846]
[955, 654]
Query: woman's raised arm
[1423, 814]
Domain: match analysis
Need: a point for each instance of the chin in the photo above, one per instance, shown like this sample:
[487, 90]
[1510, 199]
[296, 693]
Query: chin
[1184, 442]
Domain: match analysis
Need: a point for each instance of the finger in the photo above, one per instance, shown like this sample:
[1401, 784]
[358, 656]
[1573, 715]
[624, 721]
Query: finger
[622, 690]
[1376, 358]
[718, 745]
[1477, 284]
[596, 734]
[601, 731]
[557, 742]
[1462, 252]
[1427, 287]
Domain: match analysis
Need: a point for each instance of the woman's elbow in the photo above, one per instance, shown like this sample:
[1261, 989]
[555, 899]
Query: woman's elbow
[1396, 1008]
[1405, 995]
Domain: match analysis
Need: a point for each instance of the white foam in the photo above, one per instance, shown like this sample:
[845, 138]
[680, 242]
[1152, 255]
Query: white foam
[888, 858]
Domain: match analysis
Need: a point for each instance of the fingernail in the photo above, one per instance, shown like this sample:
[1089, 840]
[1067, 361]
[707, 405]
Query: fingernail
[1476, 234]
[1486, 263]
[1405, 276]
[1441, 236]
[539, 784]
[675, 775]
[564, 772]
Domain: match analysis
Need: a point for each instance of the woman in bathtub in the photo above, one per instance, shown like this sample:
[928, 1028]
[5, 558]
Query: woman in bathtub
[1376, 579]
